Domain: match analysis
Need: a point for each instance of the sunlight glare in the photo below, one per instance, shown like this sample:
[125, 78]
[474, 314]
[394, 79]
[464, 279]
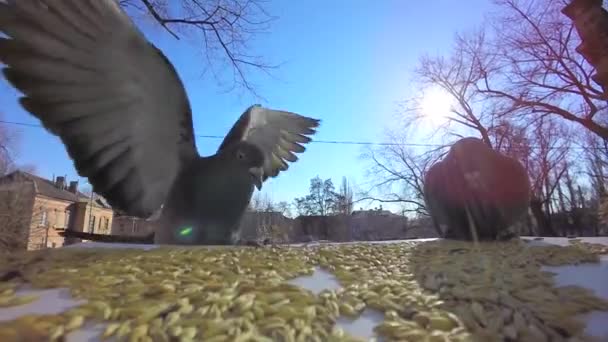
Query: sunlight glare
[436, 105]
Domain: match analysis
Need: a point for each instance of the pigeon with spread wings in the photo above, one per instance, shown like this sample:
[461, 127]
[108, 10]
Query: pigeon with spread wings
[119, 107]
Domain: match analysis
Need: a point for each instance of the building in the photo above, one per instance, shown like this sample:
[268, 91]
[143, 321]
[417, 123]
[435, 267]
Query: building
[131, 226]
[34, 209]
[262, 225]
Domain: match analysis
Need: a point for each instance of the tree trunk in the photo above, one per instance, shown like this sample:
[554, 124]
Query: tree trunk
[575, 213]
[544, 225]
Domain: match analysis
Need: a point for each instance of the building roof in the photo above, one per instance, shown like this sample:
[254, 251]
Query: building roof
[47, 188]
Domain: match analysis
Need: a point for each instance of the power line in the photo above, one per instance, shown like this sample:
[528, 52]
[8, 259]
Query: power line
[317, 141]
[335, 142]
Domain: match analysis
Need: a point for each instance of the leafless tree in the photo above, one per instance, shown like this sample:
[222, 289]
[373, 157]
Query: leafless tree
[397, 169]
[546, 165]
[261, 202]
[10, 140]
[8, 145]
[224, 29]
[265, 219]
[596, 155]
[397, 173]
[459, 75]
[345, 197]
[536, 71]
[284, 208]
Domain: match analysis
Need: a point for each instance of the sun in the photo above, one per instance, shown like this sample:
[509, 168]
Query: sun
[436, 104]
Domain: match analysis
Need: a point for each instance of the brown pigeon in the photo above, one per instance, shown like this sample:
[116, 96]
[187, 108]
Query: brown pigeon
[475, 192]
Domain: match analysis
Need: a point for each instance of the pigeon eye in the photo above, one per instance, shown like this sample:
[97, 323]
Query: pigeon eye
[240, 155]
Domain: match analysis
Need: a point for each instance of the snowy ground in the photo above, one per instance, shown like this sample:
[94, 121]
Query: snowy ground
[592, 276]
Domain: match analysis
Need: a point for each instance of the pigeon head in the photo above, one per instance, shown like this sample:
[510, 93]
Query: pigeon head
[249, 157]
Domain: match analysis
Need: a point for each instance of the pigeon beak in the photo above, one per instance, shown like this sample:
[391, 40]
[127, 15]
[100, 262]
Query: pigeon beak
[258, 174]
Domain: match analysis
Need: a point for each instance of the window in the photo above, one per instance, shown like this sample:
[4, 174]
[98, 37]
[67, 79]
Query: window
[43, 218]
[66, 224]
[53, 244]
[92, 225]
[106, 226]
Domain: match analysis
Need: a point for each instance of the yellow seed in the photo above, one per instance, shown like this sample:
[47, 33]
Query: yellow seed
[441, 323]
[337, 332]
[437, 337]
[175, 330]
[56, 333]
[123, 330]
[21, 300]
[74, 323]
[413, 335]
[172, 318]
[186, 309]
[422, 319]
[347, 310]
[6, 300]
[158, 334]
[139, 332]
[189, 332]
[8, 292]
[110, 329]
[218, 338]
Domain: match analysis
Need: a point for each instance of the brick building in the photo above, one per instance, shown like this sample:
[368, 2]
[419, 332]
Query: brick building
[33, 209]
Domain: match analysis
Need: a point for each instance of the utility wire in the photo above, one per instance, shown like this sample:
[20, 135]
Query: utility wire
[334, 142]
[337, 142]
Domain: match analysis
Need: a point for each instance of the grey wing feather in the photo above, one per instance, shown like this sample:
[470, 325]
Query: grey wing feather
[115, 101]
[279, 134]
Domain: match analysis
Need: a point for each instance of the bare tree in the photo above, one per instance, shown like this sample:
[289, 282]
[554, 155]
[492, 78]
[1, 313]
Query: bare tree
[546, 164]
[8, 146]
[397, 174]
[536, 70]
[10, 140]
[459, 75]
[398, 171]
[345, 198]
[596, 155]
[223, 28]
[284, 208]
[261, 202]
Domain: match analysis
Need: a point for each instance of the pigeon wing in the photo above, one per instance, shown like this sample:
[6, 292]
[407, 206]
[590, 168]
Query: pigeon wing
[115, 101]
[279, 134]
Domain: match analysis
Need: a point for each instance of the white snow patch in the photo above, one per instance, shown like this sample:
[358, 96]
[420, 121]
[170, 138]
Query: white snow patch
[362, 326]
[320, 280]
[50, 302]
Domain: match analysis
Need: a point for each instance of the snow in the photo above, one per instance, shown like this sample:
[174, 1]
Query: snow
[591, 276]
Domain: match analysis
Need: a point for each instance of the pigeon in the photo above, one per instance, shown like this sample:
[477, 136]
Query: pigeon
[121, 111]
[475, 192]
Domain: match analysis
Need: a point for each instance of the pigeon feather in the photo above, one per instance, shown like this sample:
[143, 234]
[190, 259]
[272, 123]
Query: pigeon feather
[279, 134]
[114, 100]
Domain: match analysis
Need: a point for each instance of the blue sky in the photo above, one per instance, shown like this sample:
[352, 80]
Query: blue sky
[346, 62]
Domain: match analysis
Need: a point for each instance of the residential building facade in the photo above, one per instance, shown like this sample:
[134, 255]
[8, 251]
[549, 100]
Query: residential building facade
[33, 210]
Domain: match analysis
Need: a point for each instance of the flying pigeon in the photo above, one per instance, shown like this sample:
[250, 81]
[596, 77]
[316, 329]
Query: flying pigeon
[475, 192]
[119, 107]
